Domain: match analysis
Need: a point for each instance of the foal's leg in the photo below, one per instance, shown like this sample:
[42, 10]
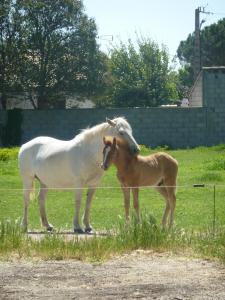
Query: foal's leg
[126, 194]
[76, 224]
[172, 202]
[163, 191]
[135, 192]
[27, 189]
[41, 202]
[170, 184]
[86, 218]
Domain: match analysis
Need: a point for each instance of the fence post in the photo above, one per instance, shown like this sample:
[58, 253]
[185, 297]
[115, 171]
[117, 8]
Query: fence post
[214, 208]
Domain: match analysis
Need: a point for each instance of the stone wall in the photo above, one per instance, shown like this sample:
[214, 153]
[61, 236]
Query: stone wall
[175, 127]
[214, 88]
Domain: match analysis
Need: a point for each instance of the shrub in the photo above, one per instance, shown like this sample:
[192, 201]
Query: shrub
[8, 154]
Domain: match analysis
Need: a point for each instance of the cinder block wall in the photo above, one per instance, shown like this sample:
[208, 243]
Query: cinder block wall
[214, 87]
[175, 127]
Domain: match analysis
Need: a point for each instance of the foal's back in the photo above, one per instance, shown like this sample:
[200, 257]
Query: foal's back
[155, 168]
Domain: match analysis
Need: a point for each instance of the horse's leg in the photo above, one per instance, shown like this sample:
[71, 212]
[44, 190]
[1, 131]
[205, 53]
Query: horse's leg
[163, 191]
[135, 192]
[41, 201]
[27, 189]
[76, 224]
[86, 218]
[126, 194]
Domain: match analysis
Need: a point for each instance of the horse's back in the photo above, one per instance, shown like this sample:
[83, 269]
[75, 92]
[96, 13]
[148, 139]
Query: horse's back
[37, 149]
[32, 147]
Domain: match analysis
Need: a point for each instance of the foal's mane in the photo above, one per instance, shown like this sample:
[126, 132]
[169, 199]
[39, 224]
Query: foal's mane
[123, 145]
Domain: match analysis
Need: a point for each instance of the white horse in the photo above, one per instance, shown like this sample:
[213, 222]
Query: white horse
[69, 164]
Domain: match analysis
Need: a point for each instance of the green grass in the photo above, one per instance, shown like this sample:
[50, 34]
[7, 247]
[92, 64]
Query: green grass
[193, 220]
[144, 235]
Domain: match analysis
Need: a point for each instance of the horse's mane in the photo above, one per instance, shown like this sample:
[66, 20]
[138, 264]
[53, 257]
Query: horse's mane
[98, 129]
[89, 132]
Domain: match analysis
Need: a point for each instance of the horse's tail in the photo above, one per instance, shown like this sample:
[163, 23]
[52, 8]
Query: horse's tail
[26, 172]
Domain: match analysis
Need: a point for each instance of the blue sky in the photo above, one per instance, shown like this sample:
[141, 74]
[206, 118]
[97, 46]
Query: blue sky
[165, 22]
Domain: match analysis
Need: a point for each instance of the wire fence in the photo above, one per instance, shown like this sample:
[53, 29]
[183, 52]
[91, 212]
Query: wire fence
[198, 206]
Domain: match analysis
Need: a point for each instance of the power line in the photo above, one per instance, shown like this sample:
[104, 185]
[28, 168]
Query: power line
[216, 13]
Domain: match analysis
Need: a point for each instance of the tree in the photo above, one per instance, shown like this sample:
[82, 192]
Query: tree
[10, 28]
[212, 48]
[140, 76]
[62, 54]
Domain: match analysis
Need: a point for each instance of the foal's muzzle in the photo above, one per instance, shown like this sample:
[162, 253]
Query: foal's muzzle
[135, 150]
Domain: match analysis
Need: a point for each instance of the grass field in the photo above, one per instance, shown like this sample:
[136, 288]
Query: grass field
[195, 206]
[194, 211]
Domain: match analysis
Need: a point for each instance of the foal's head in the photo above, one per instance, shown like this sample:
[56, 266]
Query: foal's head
[115, 151]
[108, 152]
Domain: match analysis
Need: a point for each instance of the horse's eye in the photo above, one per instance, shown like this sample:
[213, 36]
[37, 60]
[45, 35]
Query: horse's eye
[121, 132]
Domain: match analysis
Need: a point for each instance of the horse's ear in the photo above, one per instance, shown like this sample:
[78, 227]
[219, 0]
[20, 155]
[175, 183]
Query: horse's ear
[111, 122]
[114, 142]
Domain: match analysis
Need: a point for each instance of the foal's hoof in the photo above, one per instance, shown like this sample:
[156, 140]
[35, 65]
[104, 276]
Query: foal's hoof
[88, 230]
[78, 231]
[23, 228]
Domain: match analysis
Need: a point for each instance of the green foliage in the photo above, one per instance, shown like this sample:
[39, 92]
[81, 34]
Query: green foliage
[140, 75]
[212, 50]
[55, 51]
[10, 26]
[220, 147]
[184, 81]
[8, 154]
[63, 39]
[11, 236]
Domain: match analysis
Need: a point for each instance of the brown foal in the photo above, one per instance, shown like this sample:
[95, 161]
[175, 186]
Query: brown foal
[133, 171]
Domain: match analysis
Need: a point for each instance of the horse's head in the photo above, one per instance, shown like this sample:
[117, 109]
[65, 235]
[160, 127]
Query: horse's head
[108, 152]
[122, 129]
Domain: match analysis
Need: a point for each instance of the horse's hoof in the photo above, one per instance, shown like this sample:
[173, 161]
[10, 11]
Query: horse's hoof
[78, 231]
[50, 228]
[88, 230]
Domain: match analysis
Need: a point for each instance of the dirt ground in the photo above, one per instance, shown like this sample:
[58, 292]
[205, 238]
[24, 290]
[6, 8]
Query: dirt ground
[139, 275]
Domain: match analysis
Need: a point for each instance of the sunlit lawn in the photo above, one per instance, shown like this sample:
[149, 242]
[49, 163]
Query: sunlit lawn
[194, 205]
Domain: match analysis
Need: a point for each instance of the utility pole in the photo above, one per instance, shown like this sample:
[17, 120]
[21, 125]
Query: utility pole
[197, 43]
[197, 46]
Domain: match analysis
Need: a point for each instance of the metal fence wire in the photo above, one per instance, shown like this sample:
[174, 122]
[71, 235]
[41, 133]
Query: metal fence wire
[198, 206]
